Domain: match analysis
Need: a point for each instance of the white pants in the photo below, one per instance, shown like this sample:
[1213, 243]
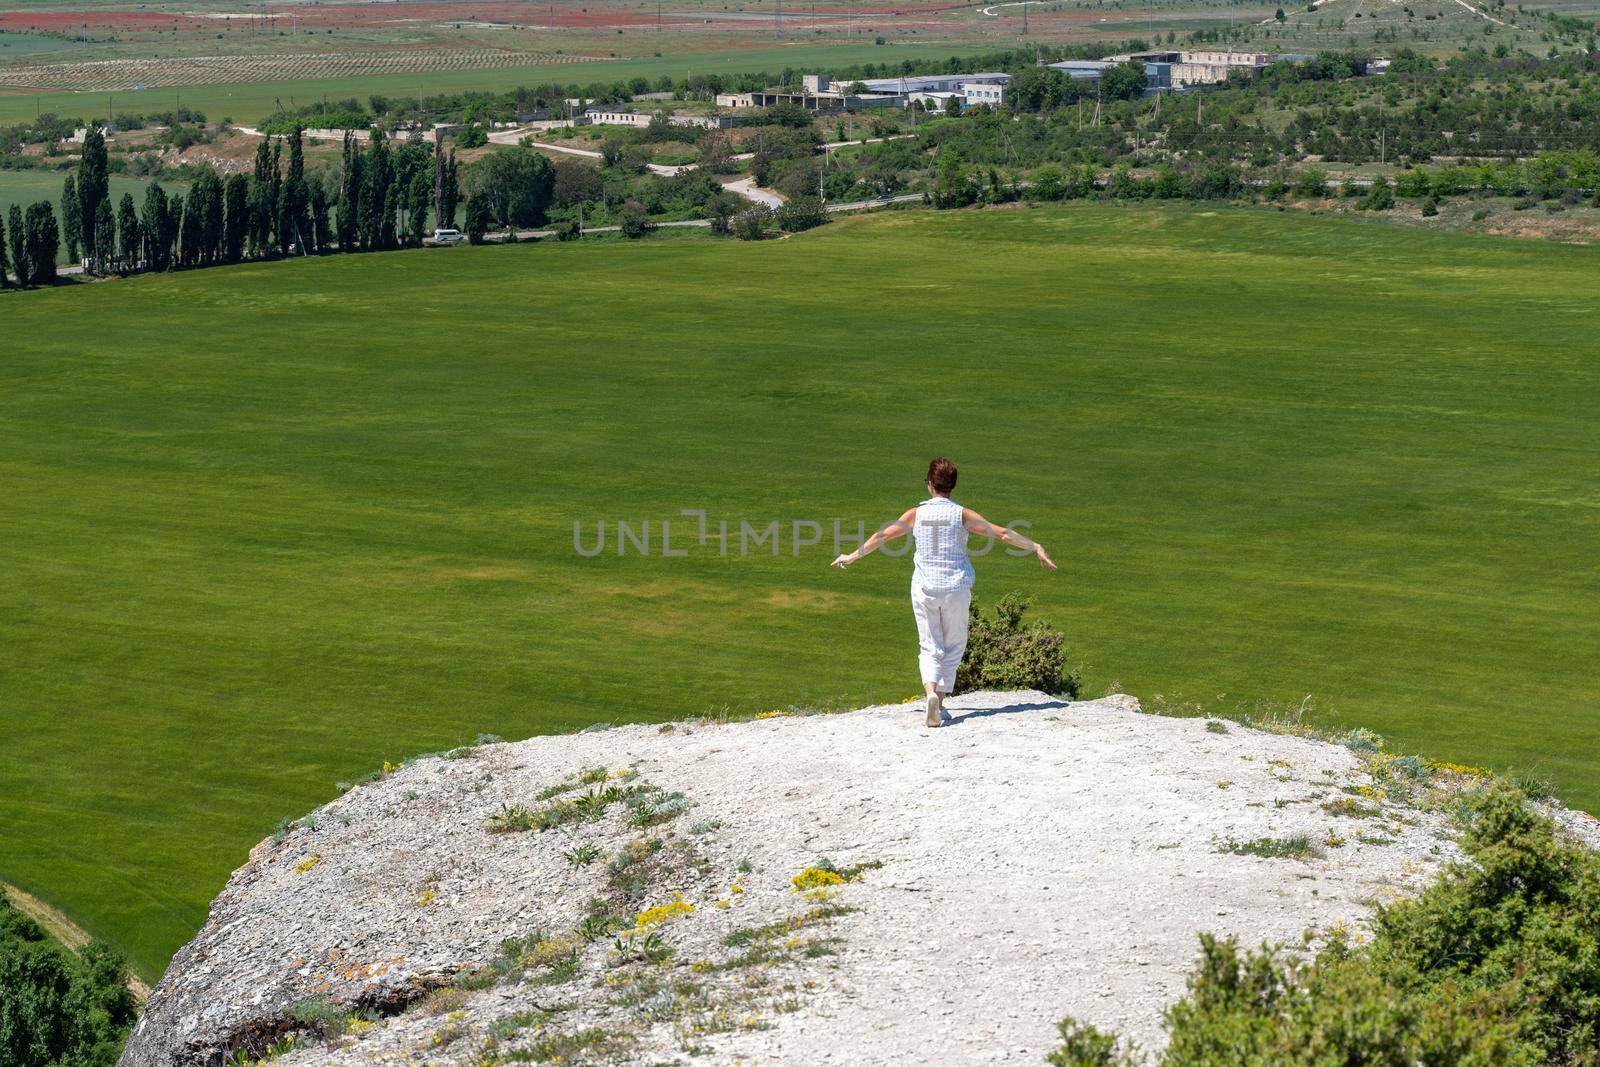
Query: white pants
[942, 634]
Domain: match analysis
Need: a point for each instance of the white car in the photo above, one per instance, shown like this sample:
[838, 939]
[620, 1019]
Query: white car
[448, 237]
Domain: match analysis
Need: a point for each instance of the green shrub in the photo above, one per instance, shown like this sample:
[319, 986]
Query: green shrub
[1311, 182]
[750, 224]
[1497, 963]
[1003, 653]
[1362, 739]
[635, 220]
[801, 213]
[58, 1006]
[1084, 1046]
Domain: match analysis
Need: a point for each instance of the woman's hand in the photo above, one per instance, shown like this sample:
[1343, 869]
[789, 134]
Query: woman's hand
[844, 560]
[1044, 557]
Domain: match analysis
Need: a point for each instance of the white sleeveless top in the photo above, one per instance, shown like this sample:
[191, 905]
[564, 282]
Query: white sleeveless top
[941, 557]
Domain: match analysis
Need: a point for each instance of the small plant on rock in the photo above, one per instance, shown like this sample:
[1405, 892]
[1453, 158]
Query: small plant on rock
[815, 878]
[1297, 846]
[582, 855]
[511, 818]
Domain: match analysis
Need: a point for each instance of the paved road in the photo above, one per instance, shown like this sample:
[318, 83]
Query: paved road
[854, 205]
[747, 188]
[829, 146]
[868, 205]
[655, 168]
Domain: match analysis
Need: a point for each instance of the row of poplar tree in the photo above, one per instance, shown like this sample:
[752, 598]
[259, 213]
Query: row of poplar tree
[383, 197]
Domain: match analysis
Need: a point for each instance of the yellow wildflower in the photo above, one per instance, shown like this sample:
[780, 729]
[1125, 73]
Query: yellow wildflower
[662, 914]
[815, 878]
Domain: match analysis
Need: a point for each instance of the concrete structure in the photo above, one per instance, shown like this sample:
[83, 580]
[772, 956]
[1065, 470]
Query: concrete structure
[823, 102]
[990, 93]
[81, 134]
[969, 94]
[1208, 68]
[932, 83]
[1175, 70]
[824, 93]
[934, 101]
[613, 115]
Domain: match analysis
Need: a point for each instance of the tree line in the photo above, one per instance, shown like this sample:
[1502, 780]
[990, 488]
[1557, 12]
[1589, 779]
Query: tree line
[383, 196]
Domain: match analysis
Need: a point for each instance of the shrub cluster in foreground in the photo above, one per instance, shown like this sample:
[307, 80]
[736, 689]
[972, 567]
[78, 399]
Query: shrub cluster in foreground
[1005, 653]
[58, 1007]
[1495, 965]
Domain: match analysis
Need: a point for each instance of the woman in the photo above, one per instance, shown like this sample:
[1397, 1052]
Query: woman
[941, 584]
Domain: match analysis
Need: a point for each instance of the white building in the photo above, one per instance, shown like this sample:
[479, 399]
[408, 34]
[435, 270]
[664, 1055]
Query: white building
[1209, 68]
[932, 83]
[983, 93]
[604, 115]
[933, 101]
[821, 92]
[1172, 70]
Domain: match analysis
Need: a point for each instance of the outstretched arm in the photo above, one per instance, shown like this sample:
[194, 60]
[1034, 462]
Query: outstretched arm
[977, 524]
[898, 528]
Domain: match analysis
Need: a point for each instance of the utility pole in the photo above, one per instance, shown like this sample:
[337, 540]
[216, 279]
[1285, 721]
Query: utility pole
[777, 19]
[1024, 18]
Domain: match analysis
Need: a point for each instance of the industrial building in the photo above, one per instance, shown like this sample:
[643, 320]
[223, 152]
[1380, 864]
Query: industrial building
[1083, 69]
[820, 92]
[612, 115]
[1175, 70]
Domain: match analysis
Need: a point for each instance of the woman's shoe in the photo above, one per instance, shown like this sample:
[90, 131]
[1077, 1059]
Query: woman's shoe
[935, 711]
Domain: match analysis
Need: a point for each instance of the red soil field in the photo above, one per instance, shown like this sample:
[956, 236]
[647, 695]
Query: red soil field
[353, 16]
[67, 21]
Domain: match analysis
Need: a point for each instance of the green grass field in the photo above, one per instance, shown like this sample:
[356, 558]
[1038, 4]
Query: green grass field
[19, 45]
[249, 103]
[270, 525]
[24, 187]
